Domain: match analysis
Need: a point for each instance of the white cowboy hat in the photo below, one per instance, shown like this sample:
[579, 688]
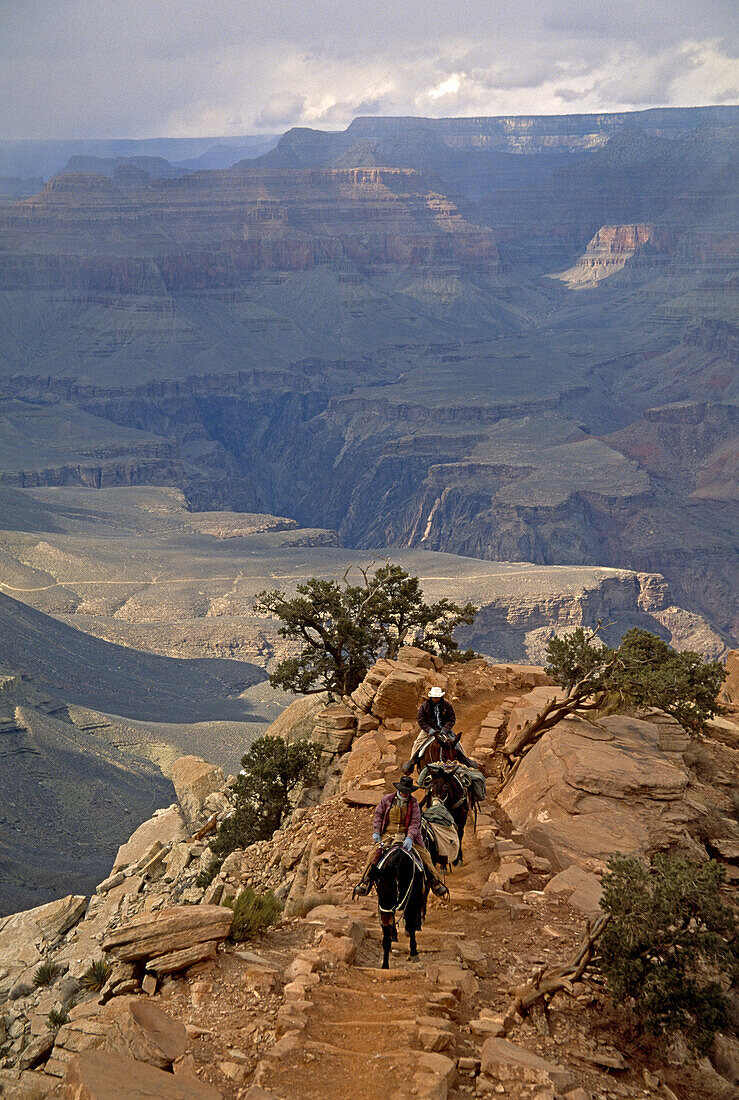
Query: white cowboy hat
[436, 693]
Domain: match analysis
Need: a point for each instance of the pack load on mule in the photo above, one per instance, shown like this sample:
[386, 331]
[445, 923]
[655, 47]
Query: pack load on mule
[455, 787]
[437, 740]
[400, 866]
[440, 833]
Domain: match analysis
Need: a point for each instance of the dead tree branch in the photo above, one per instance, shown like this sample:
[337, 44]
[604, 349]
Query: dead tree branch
[575, 701]
[547, 982]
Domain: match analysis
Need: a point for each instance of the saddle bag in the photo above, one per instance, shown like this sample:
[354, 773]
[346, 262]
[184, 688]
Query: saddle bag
[474, 781]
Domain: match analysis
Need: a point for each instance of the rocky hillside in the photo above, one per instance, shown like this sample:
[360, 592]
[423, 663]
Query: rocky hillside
[132, 617]
[184, 1013]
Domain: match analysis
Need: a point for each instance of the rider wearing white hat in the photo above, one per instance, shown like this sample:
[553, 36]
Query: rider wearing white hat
[436, 718]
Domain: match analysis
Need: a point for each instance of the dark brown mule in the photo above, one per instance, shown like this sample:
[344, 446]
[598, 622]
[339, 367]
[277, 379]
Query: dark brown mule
[441, 781]
[441, 749]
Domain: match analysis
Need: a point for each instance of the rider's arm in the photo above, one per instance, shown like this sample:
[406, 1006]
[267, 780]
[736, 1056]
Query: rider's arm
[414, 825]
[422, 719]
[449, 724]
[379, 819]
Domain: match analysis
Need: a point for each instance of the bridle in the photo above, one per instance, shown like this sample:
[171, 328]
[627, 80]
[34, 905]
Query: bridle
[449, 778]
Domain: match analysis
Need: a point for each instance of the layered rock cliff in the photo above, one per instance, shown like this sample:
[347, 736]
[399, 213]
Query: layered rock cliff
[375, 349]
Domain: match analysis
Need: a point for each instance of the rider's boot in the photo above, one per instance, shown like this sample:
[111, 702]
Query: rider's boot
[436, 884]
[364, 885]
[408, 767]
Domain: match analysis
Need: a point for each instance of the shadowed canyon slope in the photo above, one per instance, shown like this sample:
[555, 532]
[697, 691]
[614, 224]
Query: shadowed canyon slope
[506, 339]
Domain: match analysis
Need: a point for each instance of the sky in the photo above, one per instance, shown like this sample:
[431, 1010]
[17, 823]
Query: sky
[191, 68]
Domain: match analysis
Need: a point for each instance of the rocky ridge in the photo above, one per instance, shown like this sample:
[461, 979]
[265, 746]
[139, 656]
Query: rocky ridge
[179, 1017]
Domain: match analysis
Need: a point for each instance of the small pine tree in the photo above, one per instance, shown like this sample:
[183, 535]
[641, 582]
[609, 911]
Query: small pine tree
[670, 940]
[644, 671]
[650, 673]
[271, 770]
[576, 656]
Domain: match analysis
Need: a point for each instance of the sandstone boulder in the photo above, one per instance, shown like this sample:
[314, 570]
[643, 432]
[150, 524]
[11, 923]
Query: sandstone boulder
[132, 1026]
[297, 720]
[587, 790]
[194, 780]
[730, 691]
[104, 1075]
[581, 888]
[25, 936]
[365, 756]
[505, 1061]
[334, 728]
[399, 694]
[178, 929]
[24, 1084]
[138, 1027]
[419, 658]
[165, 827]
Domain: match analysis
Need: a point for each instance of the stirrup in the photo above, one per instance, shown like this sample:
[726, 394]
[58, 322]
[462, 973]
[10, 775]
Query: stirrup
[363, 888]
[440, 889]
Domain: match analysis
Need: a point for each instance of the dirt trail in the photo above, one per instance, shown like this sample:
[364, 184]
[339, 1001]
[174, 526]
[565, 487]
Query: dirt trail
[361, 1038]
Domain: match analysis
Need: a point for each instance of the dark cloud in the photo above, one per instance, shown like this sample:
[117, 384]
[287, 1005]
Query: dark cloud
[72, 68]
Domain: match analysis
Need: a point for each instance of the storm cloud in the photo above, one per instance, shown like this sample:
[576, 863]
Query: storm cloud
[144, 68]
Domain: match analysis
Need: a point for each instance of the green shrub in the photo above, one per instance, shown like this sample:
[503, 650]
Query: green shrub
[344, 628]
[57, 1018]
[670, 942]
[272, 769]
[253, 914]
[45, 974]
[96, 975]
[699, 758]
[206, 877]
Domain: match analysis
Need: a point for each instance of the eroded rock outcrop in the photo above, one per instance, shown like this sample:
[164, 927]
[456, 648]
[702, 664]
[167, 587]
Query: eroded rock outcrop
[588, 789]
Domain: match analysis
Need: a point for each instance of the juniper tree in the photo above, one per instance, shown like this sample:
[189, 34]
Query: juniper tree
[670, 944]
[271, 771]
[643, 671]
[344, 628]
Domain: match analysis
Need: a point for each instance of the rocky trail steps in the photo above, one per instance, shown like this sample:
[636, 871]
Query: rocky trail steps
[304, 1011]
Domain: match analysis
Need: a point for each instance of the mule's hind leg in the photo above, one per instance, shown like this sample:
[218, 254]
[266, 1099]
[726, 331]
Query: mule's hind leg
[414, 946]
[387, 940]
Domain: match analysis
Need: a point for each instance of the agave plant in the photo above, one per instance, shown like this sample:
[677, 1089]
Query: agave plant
[96, 975]
[45, 974]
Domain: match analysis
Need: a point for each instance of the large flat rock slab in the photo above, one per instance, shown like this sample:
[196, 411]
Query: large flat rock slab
[25, 936]
[587, 790]
[181, 927]
[103, 1075]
